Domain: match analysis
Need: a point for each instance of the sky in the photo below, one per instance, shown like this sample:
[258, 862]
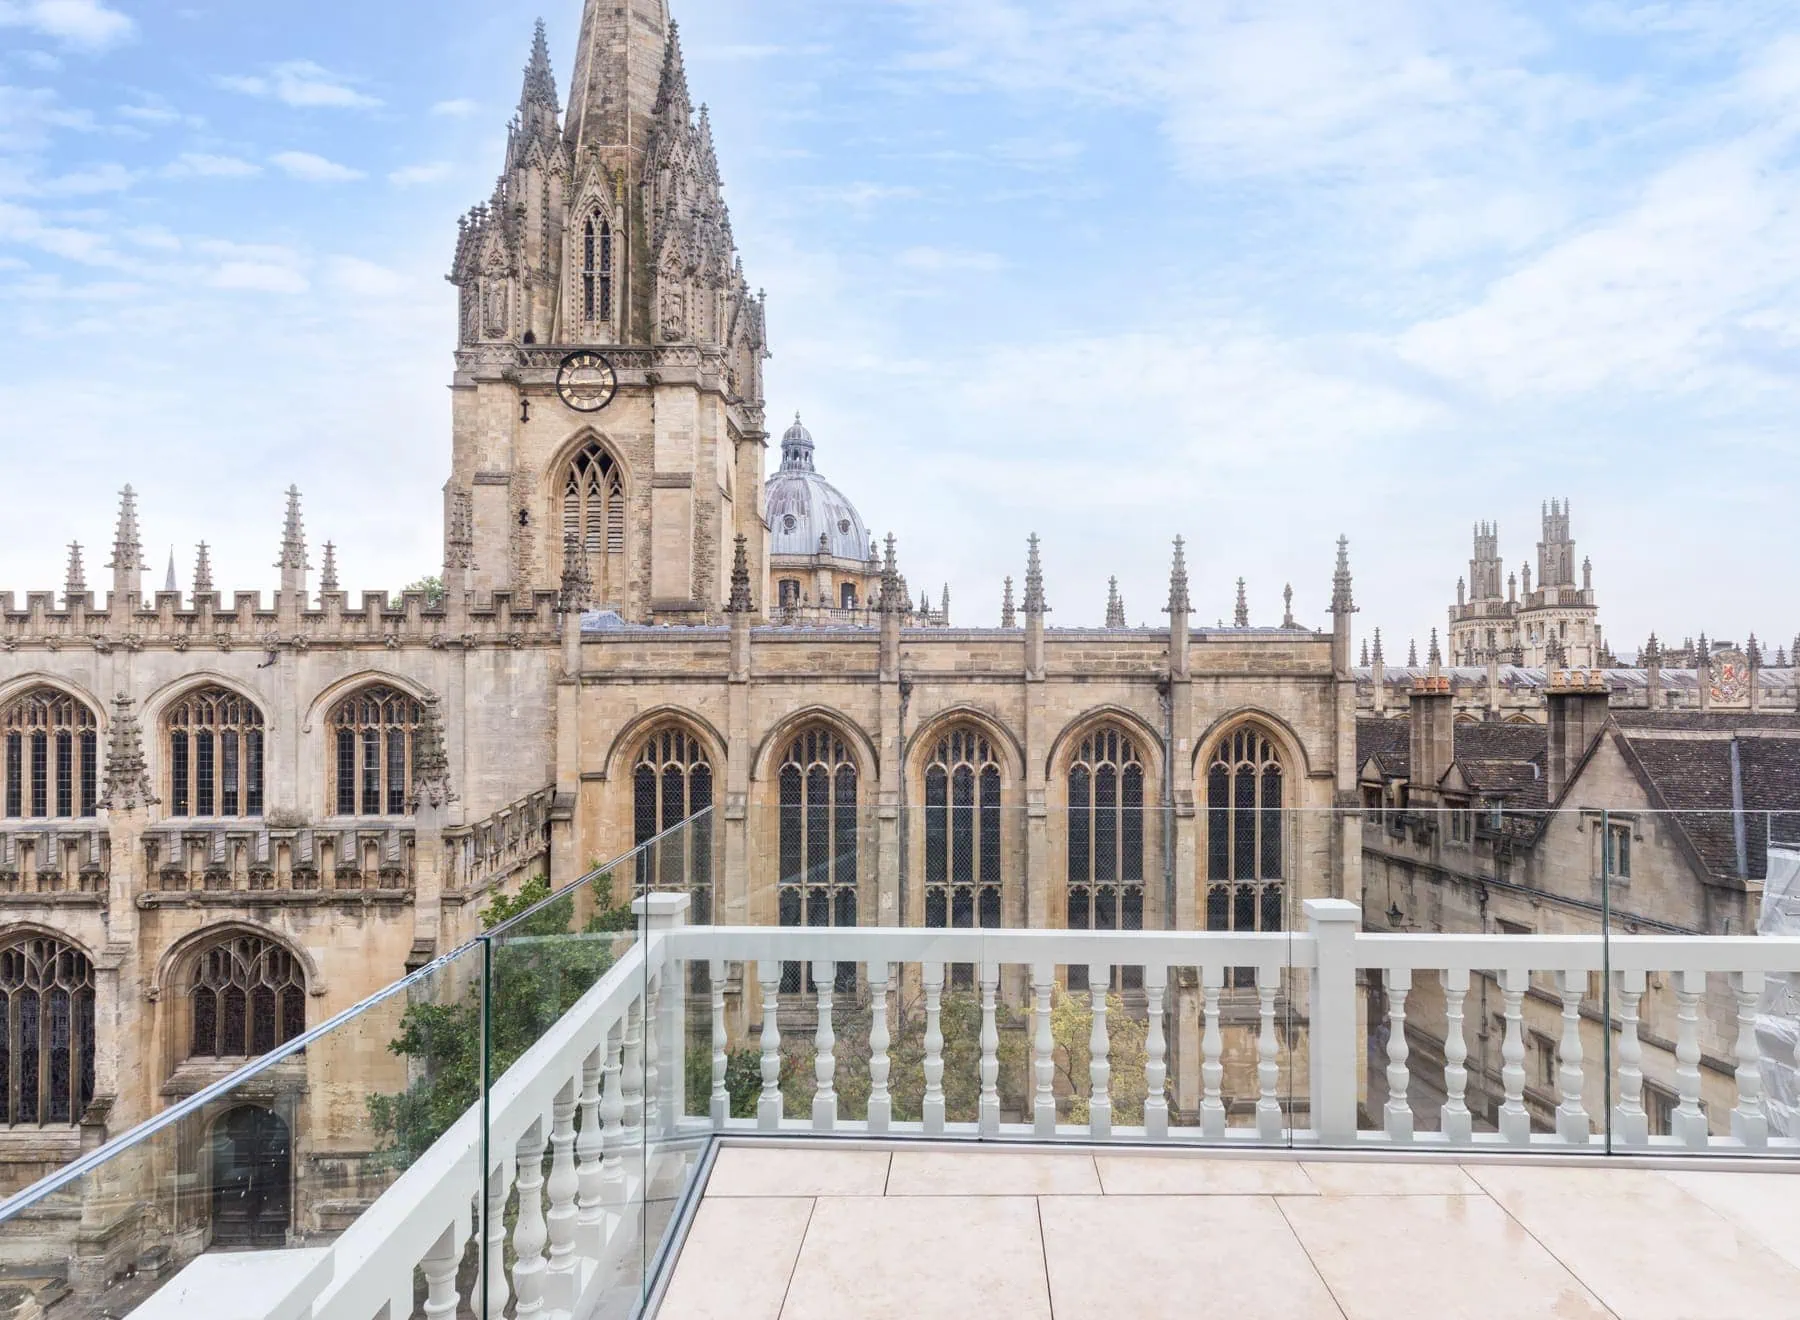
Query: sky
[1106, 270]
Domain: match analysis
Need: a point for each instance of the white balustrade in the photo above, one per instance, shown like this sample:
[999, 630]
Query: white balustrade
[1689, 1120]
[990, 1052]
[530, 1232]
[824, 1110]
[1156, 1071]
[1571, 1116]
[1268, 1069]
[1043, 1046]
[1457, 1122]
[768, 1105]
[881, 1103]
[1099, 1056]
[1212, 1051]
[933, 975]
[1631, 1125]
[719, 1105]
[1398, 1116]
[561, 1187]
[1748, 1122]
[1515, 1119]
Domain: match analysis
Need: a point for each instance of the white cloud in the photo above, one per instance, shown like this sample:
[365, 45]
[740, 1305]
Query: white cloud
[408, 175]
[86, 24]
[365, 279]
[110, 177]
[258, 277]
[861, 196]
[30, 115]
[302, 84]
[22, 225]
[460, 108]
[41, 60]
[942, 259]
[206, 165]
[309, 168]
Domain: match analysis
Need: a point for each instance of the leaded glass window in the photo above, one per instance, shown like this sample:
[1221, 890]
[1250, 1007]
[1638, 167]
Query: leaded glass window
[672, 783]
[962, 837]
[1106, 840]
[817, 849]
[373, 732]
[46, 1032]
[596, 271]
[1245, 861]
[594, 514]
[215, 745]
[248, 995]
[49, 756]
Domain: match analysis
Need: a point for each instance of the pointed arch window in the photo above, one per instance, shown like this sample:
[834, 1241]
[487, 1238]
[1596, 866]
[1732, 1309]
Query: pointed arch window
[215, 754]
[374, 733]
[1245, 852]
[594, 512]
[672, 783]
[962, 836]
[46, 1031]
[49, 756]
[247, 996]
[817, 848]
[1106, 840]
[596, 270]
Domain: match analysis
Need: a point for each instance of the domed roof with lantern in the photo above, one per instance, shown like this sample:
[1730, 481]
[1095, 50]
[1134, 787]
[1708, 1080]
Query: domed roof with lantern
[803, 506]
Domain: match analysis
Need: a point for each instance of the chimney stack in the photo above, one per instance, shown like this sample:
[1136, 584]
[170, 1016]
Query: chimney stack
[1577, 700]
[1433, 731]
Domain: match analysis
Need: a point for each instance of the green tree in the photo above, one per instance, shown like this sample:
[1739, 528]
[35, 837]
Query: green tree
[433, 587]
[1071, 1025]
[538, 969]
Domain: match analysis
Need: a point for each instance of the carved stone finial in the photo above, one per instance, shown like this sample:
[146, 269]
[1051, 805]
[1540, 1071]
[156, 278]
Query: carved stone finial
[293, 537]
[459, 535]
[127, 561]
[1753, 652]
[1034, 578]
[1341, 601]
[1240, 615]
[431, 763]
[1115, 607]
[893, 589]
[328, 575]
[1287, 606]
[576, 592]
[127, 783]
[75, 579]
[1412, 652]
[1365, 653]
[1378, 659]
[740, 578]
[1179, 604]
[944, 609]
[1008, 617]
[203, 579]
[1434, 657]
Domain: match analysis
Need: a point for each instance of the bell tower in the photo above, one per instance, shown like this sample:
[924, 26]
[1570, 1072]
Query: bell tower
[608, 396]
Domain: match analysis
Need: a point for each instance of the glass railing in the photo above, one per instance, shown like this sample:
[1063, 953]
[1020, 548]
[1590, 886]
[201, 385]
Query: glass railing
[518, 1125]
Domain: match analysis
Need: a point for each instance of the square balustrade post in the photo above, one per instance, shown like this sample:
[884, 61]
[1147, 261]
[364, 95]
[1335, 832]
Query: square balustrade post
[658, 913]
[1331, 1028]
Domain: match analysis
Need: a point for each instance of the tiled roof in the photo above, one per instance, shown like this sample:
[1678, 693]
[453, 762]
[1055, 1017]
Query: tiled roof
[1693, 779]
[1388, 741]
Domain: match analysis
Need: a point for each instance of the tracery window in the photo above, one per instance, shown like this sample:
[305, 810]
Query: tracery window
[962, 837]
[373, 735]
[594, 513]
[672, 783]
[247, 995]
[46, 1031]
[1106, 840]
[215, 742]
[596, 270]
[818, 843]
[50, 758]
[1245, 887]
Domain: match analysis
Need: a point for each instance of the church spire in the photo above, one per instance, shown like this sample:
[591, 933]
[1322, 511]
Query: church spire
[169, 582]
[672, 97]
[1115, 607]
[540, 82]
[619, 58]
[740, 579]
[1341, 601]
[128, 550]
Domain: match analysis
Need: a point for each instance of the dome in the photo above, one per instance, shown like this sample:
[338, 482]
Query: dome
[803, 506]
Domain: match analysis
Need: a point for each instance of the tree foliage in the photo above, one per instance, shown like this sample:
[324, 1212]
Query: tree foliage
[432, 586]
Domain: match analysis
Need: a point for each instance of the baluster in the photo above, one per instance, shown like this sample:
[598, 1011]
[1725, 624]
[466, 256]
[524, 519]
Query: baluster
[632, 1075]
[561, 1187]
[1156, 1071]
[651, 1035]
[1268, 1069]
[1749, 1124]
[1690, 1120]
[990, 1052]
[1043, 1047]
[493, 1258]
[439, 1267]
[721, 1098]
[1630, 1122]
[590, 1146]
[933, 974]
[1515, 1121]
[1212, 1046]
[1457, 1122]
[1099, 1055]
[529, 1233]
[1571, 1117]
[768, 1104]
[881, 1104]
[612, 1119]
[824, 1111]
[1398, 1115]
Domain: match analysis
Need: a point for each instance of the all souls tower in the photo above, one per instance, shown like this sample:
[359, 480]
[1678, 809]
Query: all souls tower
[608, 396]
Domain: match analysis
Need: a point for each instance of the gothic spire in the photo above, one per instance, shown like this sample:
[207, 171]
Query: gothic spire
[672, 99]
[740, 578]
[1365, 653]
[431, 764]
[128, 550]
[1341, 602]
[1753, 652]
[540, 82]
[577, 584]
[709, 158]
[617, 58]
[1178, 583]
[1115, 607]
[1703, 649]
[893, 593]
[1008, 617]
[1378, 659]
[169, 582]
[1412, 653]
[1434, 656]
[1240, 616]
[293, 536]
[1287, 606]
[202, 569]
[127, 783]
[1034, 578]
[75, 579]
[944, 609]
[328, 577]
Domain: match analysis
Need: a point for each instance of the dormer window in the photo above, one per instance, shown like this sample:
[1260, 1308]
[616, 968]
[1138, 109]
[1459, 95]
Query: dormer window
[596, 270]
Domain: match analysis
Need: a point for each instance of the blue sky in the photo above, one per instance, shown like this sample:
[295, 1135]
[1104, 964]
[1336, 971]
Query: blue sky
[1109, 270]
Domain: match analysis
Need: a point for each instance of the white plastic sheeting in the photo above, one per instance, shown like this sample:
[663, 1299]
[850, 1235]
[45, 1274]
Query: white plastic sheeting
[1778, 1014]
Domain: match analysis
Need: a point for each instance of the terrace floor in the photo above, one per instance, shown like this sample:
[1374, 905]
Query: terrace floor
[820, 1232]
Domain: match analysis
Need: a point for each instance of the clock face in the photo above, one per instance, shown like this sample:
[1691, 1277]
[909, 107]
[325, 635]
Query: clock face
[586, 381]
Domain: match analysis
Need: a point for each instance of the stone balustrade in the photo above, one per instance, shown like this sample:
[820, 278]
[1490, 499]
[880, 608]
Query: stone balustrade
[185, 859]
[492, 851]
[55, 858]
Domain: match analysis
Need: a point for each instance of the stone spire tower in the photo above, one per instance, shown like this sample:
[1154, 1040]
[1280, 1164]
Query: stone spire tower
[609, 362]
[1556, 551]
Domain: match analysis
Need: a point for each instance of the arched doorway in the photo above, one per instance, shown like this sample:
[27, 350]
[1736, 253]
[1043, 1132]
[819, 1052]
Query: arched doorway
[251, 1179]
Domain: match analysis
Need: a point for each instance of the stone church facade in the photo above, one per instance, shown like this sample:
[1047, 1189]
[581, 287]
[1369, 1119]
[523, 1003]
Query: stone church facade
[208, 800]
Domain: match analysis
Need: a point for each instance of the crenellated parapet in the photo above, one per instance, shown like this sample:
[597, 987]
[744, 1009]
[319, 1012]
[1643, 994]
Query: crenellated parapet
[251, 621]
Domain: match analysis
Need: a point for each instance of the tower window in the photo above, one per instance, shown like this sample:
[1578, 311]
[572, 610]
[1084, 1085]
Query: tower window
[50, 762]
[594, 513]
[215, 742]
[596, 270]
[373, 733]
